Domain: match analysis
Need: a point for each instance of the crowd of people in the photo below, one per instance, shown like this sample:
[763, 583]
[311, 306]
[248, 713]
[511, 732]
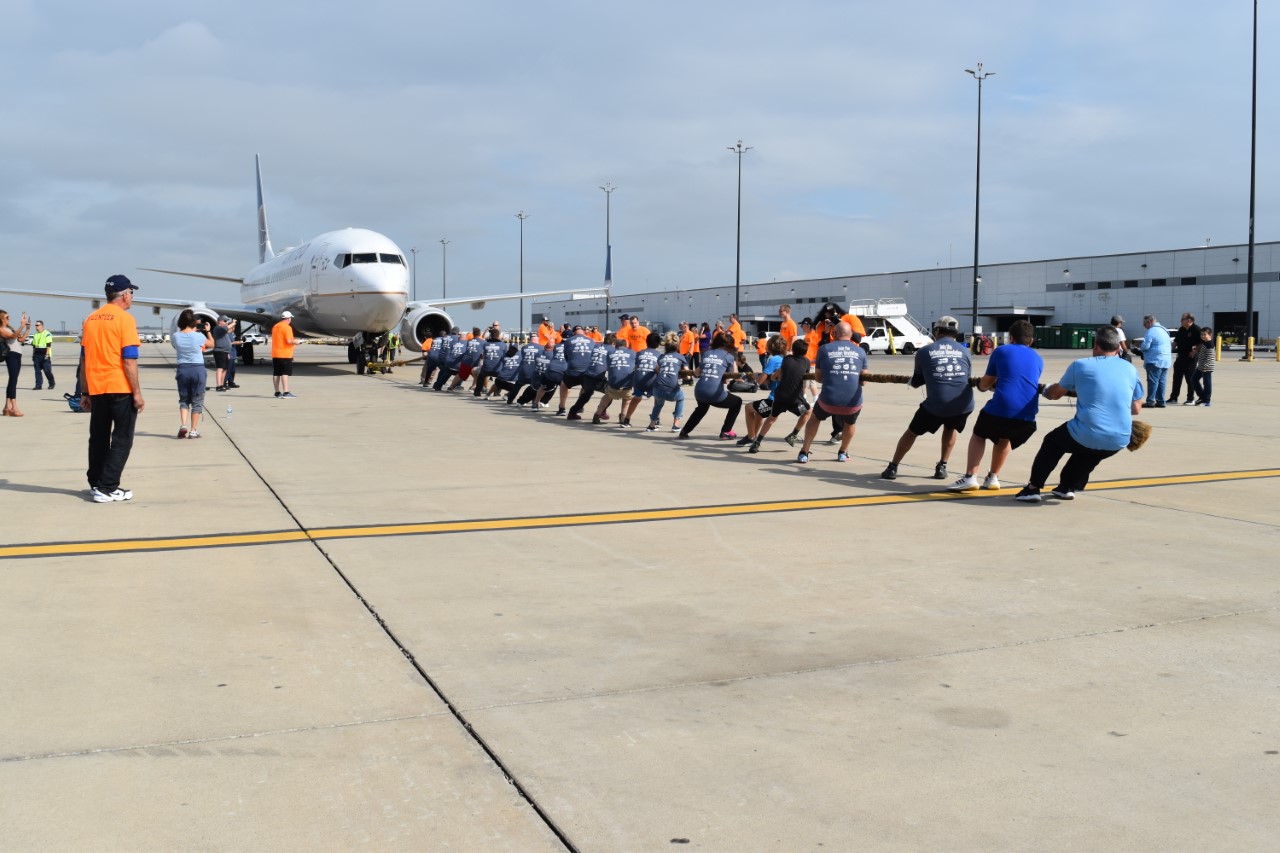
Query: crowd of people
[815, 371]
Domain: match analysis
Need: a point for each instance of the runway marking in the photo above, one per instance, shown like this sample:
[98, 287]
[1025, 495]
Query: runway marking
[430, 528]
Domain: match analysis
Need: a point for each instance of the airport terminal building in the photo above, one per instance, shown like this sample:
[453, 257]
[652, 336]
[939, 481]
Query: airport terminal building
[1208, 281]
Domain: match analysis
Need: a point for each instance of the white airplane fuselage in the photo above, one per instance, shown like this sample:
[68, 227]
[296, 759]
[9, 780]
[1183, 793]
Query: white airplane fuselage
[341, 283]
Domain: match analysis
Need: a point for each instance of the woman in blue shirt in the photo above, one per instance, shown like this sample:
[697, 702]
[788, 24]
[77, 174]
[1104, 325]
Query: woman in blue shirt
[190, 342]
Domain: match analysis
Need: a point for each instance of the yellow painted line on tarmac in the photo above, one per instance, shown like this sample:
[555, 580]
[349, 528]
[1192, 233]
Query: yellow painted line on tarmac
[223, 540]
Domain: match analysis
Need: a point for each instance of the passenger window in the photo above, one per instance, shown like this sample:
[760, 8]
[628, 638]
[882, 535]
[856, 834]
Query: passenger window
[364, 258]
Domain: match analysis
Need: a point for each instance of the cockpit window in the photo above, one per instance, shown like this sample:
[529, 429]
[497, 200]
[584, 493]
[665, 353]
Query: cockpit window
[364, 257]
[341, 261]
[391, 259]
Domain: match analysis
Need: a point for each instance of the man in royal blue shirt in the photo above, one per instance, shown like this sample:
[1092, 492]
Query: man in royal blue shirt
[840, 368]
[942, 368]
[1108, 395]
[1009, 418]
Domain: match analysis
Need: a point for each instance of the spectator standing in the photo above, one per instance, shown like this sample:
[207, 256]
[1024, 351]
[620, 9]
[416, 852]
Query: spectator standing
[113, 395]
[1202, 376]
[1185, 341]
[42, 355]
[11, 341]
[282, 344]
[1157, 357]
[190, 342]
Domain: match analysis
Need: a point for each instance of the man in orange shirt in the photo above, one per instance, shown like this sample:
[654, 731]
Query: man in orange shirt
[113, 396]
[282, 344]
[637, 335]
[736, 332]
[688, 347]
[788, 328]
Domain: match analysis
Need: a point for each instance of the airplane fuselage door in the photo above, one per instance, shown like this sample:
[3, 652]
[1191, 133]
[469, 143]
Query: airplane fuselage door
[320, 261]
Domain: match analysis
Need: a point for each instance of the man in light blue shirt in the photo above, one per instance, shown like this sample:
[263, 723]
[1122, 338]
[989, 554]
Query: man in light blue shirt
[1108, 395]
[1157, 358]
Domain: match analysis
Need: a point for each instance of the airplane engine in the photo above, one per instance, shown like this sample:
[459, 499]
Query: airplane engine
[202, 313]
[420, 322]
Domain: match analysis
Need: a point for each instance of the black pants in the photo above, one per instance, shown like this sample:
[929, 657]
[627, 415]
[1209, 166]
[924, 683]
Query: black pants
[1183, 367]
[590, 385]
[14, 362]
[1075, 474]
[446, 373]
[732, 402]
[111, 423]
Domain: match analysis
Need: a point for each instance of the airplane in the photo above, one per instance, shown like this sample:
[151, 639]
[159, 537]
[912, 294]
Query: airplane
[340, 284]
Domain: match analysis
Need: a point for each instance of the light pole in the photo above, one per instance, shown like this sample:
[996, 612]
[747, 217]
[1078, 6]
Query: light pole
[522, 216]
[739, 149]
[978, 75]
[608, 254]
[1253, 184]
[444, 268]
[413, 278]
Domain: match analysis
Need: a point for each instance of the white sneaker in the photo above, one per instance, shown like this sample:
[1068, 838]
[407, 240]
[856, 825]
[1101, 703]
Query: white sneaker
[991, 482]
[101, 497]
[967, 483]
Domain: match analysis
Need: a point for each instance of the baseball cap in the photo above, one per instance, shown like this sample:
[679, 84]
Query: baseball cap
[1116, 319]
[287, 315]
[224, 319]
[117, 283]
[946, 321]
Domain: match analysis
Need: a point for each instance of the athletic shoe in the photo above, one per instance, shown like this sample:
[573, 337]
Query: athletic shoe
[595, 419]
[625, 422]
[193, 434]
[101, 497]
[1158, 406]
[1172, 400]
[287, 395]
[220, 388]
[277, 394]
[744, 441]
[232, 385]
[182, 432]
[605, 417]
[803, 457]
[790, 439]
[890, 472]
[1188, 403]
[1029, 494]
[727, 435]
[1207, 405]
[573, 416]
[652, 427]
[940, 471]
[842, 456]
[559, 412]
[535, 407]
[835, 439]
[675, 427]
[755, 446]
[991, 482]
[52, 385]
[1062, 493]
[967, 483]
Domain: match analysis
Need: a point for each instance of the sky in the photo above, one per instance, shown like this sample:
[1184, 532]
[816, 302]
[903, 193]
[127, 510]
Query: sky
[129, 132]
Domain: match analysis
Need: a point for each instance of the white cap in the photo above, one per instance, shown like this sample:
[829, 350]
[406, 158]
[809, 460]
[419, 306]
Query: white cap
[288, 315]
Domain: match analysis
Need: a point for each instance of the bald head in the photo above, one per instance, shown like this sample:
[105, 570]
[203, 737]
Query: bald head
[843, 332]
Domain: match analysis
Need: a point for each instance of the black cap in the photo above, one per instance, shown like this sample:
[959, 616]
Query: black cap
[117, 283]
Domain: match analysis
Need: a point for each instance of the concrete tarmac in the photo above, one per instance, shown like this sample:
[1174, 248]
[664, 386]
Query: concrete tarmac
[379, 617]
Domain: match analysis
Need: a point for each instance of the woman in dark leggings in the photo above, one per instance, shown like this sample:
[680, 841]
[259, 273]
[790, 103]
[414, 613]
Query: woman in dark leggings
[10, 339]
[710, 391]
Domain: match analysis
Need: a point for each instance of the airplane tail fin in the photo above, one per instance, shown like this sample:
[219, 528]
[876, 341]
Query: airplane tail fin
[265, 252]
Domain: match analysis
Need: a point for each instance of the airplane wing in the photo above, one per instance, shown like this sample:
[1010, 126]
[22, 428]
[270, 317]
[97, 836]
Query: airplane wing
[232, 279]
[258, 314]
[478, 302]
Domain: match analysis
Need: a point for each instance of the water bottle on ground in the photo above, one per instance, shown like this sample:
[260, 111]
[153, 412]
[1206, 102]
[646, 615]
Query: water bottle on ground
[228, 413]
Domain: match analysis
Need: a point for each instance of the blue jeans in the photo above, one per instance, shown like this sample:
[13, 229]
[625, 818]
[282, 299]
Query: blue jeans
[191, 383]
[661, 396]
[43, 366]
[1156, 377]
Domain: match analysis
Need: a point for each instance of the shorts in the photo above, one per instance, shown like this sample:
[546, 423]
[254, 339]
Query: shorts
[464, 371]
[575, 381]
[281, 367]
[221, 360]
[924, 422]
[822, 414]
[611, 393]
[994, 428]
[774, 408]
[551, 384]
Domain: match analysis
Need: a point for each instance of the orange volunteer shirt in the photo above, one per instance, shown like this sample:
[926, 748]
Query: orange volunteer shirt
[105, 334]
[788, 332]
[282, 340]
